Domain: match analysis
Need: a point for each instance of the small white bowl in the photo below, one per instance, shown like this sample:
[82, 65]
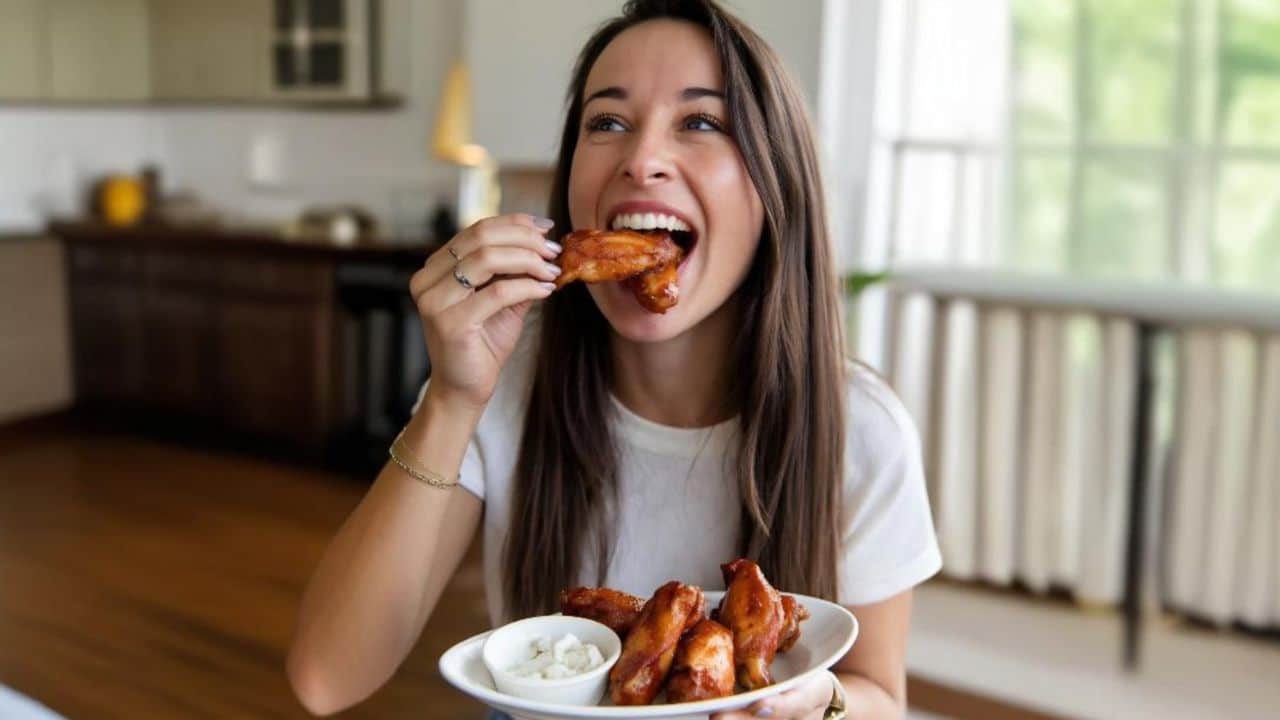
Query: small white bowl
[509, 644]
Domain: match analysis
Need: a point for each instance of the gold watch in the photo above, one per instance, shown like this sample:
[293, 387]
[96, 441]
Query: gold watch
[835, 710]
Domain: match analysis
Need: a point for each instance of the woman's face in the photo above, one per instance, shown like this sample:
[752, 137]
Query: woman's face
[654, 139]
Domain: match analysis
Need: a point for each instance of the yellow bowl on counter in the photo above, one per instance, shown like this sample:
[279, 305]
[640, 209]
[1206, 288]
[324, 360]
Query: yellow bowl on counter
[123, 200]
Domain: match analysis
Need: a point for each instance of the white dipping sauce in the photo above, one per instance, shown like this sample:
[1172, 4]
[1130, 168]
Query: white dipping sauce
[566, 657]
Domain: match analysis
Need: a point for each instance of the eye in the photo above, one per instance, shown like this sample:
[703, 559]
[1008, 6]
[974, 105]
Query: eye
[703, 122]
[605, 123]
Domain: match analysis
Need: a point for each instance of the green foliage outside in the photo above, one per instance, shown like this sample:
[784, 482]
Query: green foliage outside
[1147, 139]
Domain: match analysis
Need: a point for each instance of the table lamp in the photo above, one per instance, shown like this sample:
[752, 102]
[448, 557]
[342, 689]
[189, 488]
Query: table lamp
[478, 191]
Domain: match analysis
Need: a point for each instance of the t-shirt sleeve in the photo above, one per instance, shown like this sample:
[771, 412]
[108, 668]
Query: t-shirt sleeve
[472, 470]
[888, 543]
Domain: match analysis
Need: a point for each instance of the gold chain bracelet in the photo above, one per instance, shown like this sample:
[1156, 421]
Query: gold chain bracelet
[420, 474]
[836, 708]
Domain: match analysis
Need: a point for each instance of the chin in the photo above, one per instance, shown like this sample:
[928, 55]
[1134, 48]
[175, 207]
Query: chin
[630, 320]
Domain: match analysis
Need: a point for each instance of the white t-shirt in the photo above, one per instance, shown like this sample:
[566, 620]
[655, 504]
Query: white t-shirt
[678, 502]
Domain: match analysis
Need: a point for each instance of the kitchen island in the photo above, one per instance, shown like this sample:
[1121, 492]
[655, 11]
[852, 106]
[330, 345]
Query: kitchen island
[301, 344]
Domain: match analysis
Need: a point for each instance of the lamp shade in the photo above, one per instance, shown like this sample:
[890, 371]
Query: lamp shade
[452, 141]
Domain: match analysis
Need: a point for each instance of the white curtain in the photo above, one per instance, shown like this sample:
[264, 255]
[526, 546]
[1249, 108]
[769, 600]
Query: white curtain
[1026, 417]
[1223, 560]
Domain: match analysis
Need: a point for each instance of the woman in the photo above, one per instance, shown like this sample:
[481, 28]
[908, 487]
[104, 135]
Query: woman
[605, 444]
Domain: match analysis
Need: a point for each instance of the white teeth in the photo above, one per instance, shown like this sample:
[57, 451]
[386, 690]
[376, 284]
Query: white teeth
[649, 221]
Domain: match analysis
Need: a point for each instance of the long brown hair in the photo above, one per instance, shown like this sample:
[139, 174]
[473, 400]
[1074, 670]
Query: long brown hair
[790, 379]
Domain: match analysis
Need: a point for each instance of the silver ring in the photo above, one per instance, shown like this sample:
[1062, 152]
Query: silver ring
[451, 252]
[462, 279]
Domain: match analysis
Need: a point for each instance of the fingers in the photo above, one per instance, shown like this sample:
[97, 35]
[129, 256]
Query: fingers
[515, 231]
[481, 267]
[518, 229]
[809, 700]
[497, 296]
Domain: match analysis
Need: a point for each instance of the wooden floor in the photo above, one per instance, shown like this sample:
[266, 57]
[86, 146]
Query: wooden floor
[140, 579]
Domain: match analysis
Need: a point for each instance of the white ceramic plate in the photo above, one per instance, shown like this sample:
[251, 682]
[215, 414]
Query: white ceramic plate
[824, 638]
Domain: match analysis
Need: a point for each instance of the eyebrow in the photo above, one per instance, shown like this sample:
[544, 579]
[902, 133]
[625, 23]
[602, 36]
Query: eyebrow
[612, 91]
[694, 93]
[617, 93]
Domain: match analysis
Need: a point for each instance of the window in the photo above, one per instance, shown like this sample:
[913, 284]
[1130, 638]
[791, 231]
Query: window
[1115, 138]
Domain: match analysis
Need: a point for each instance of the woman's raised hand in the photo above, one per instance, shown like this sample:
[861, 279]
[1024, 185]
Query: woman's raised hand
[472, 295]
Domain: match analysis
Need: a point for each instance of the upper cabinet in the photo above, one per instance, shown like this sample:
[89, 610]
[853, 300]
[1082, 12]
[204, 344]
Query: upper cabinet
[190, 50]
[209, 51]
[521, 55]
[24, 64]
[98, 49]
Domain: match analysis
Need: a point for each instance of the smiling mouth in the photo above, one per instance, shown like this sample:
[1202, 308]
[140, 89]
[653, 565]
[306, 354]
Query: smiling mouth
[657, 223]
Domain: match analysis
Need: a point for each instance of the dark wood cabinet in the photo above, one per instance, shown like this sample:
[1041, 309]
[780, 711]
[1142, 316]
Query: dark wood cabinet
[276, 357]
[244, 333]
[107, 334]
[176, 375]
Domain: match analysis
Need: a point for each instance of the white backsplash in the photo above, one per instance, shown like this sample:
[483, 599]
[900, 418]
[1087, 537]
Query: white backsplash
[48, 156]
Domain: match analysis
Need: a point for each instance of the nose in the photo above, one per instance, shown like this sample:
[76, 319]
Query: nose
[648, 161]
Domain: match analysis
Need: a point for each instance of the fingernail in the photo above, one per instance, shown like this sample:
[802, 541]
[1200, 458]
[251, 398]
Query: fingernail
[548, 286]
[544, 223]
[764, 712]
[555, 247]
[553, 269]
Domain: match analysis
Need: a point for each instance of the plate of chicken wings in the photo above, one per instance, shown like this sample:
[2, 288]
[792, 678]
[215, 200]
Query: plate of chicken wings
[685, 652]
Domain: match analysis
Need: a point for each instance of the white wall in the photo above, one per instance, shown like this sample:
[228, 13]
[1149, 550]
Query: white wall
[794, 30]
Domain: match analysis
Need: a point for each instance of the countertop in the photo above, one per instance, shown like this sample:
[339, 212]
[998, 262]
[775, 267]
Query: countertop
[240, 239]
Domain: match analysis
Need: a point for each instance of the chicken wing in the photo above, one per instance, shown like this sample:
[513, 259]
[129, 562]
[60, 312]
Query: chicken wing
[649, 649]
[752, 610]
[657, 289]
[604, 255]
[793, 613]
[611, 607]
[703, 665]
